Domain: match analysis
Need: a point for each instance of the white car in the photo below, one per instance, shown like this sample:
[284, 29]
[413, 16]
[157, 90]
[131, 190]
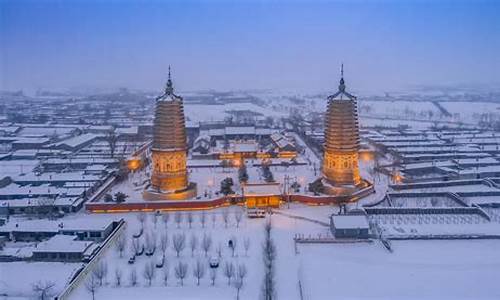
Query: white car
[214, 262]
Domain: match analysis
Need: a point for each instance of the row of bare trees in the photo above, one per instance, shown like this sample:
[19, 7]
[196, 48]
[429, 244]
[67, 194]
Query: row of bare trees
[179, 243]
[189, 217]
[234, 274]
[269, 257]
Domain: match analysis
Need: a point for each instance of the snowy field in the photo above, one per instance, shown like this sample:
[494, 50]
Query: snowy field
[252, 229]
[17, 278]
[471, 111]
[415, 270]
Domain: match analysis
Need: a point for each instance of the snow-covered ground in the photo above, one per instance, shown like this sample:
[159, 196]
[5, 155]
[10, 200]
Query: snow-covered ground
[17, 278]
[284, 229]
[415, 270]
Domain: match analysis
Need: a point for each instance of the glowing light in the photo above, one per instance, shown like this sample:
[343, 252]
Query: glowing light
[133, 163]
[236, 162]
[397, 178]
[366, 156]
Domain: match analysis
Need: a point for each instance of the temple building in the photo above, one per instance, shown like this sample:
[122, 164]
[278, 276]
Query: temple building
[340, 162]
[169, 178]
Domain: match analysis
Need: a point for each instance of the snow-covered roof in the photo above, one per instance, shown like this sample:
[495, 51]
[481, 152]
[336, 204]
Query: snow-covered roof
[42, 225]
[250, 130]
[261, 189]
[350, 222]
[78, 140]
[244, 147]
[63, 243]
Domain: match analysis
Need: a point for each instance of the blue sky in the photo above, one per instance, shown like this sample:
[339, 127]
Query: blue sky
[298, 45]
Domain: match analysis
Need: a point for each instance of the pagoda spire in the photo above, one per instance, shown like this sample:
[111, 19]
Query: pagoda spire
[342, 83]
[169, 89]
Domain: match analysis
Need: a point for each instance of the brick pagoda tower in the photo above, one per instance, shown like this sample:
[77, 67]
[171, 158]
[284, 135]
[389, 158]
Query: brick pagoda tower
[169, 179]
[340, 162]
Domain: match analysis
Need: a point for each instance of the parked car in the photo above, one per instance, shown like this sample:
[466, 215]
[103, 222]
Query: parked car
[160, 261]
[214, 262]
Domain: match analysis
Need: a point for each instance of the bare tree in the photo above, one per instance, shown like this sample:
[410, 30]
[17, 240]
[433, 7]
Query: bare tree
[214, 219]
[155, 219]
[43, 290]
[165, 217]
[118, 277]
[242, 272]
[112, 138]
[190, 219]
[92, 284]
[133, 277]
[121, 243]
[213, 275]
[235, 244]
[166, 274]
[179, 241]
[164, 243]
[219, 250]
[193, 244]
[136, 245]
[203, 219]
[178, 218]
[238, 215]
[238, 284]
[150, 242]
[149, 272]
[225, 216]
[228, 271]
[198, 271]
[206, 243]
[100, 271]
[246, 245]
[142, 218]
[181, 271]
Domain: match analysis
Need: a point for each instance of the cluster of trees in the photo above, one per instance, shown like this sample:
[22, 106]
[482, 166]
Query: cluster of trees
[150, 241]
[267, 174]
[226, 186]
[190, 218]
[243, 173]
[118, 198]
[316, 187]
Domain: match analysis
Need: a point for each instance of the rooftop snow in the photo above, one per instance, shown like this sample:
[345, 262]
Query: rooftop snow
[63, 243]
[350, 221]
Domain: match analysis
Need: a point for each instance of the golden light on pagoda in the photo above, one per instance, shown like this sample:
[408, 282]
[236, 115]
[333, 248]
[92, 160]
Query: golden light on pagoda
[169, 178]
[340, 161]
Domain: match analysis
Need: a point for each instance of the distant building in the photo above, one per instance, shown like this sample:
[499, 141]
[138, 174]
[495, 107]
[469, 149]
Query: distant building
[39, 230]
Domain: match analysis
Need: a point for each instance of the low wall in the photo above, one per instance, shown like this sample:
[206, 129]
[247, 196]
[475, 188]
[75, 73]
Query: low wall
[157, 205]
[218, 202]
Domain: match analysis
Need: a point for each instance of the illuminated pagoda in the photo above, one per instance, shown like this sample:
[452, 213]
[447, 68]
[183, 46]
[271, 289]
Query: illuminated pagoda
[169, 178]
[340, 162]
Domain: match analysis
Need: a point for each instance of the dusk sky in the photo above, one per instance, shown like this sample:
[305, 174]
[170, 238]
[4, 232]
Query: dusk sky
[294, 45]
